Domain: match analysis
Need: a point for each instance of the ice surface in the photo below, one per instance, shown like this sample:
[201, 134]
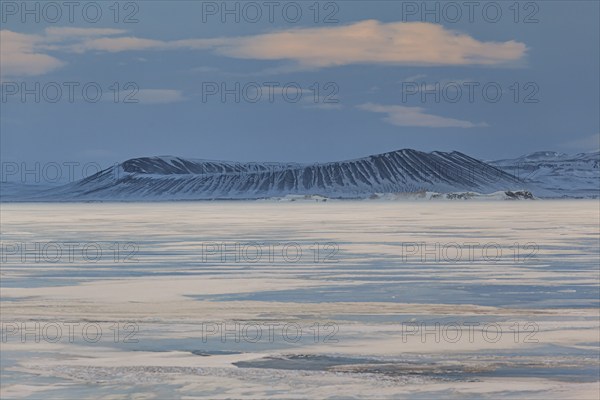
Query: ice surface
[374, 287]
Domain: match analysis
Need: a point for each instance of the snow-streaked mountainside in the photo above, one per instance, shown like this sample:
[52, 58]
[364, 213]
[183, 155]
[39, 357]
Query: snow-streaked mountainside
[171, 178]
[557, 174]
[545, 174]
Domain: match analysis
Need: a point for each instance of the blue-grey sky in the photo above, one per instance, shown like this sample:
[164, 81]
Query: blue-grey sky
[358, 67]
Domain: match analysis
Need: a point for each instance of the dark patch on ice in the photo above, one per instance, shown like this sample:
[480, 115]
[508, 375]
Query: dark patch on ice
[208, 353]
[303, 362]
[544, 296]
[463, 370]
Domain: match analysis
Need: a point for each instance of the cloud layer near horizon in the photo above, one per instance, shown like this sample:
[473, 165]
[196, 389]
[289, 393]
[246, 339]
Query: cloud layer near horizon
[416, 117]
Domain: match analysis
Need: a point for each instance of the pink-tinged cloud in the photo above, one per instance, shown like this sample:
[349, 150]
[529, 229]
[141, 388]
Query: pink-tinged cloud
[364, 42]
[24, 54]
[373, 42]
[18, 56]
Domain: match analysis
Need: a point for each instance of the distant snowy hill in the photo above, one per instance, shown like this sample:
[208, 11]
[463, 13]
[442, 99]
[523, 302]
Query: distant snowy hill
[171, 178]
[557, 174]
[545, 174]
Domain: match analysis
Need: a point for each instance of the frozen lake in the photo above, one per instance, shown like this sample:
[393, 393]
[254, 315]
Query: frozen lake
[301, 300]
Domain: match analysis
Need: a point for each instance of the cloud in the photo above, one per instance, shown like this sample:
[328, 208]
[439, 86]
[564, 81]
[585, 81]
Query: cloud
[364, 42]
[294, 94]
[24, 54]
[64, 32]
[450, 87]
[414, 78]
[371, 42]
[325, 106]
[19, 57]
[204, 69]
[416, 116]
[118, 44]
[158, 96]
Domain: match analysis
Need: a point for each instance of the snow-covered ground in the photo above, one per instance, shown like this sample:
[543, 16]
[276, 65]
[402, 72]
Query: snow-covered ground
[392, 299]
[557, 174]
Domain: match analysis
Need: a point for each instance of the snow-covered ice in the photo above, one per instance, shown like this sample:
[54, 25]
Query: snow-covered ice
[367, 282]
